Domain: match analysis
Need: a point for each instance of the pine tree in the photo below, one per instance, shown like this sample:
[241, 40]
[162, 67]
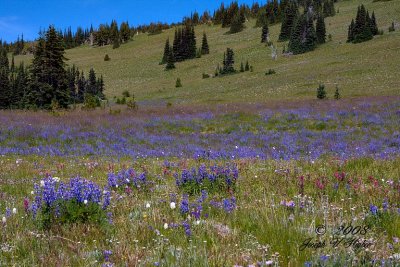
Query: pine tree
[237, 24]
[337, 94]
[81, 86]
[320, 30]
[303, 37]
[91, 85]
[5, 87]
[247, 68]
[178, 83]
[170, 61]
[374, 26]
[114, 35]
[241, 67]
[289, 20]
[48, 76]
[125, 32]
[228, 62]
[362, 26]
[350, 33]
[204, 45]
[321, 93]
[166, 52]
[264, 33]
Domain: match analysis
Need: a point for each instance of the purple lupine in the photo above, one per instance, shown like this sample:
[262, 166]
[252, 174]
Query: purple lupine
[184, 208]
[373, 209]
[186, 227]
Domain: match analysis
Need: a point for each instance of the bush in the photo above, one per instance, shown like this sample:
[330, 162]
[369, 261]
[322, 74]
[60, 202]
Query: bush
[270, 72]
[126, 93]
[178, 83]
[321, 93]
[78, 201]
[169, 104]
[337, 94]
[107, 58]
[213, 179]
[91, 101]
[131, 104]
[392, 28]
[206, 76]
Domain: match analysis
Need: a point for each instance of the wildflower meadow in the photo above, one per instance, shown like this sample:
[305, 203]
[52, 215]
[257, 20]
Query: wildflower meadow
[272, 186]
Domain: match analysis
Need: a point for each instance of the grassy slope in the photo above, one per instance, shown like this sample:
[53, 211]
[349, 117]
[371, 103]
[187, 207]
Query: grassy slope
[362, 69]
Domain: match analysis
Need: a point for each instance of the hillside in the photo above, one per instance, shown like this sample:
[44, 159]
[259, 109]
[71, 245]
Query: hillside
[365, 69]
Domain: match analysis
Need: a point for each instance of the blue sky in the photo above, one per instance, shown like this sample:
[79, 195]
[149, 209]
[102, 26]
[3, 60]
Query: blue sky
[29, 16]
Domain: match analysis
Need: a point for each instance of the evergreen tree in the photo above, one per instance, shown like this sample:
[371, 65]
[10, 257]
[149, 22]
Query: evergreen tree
[374, 26]
[247, 67]
[303, 37]
[5, 88]
[19, 86]
[228, 62]
[350, 32]
[100, 87]
[81, 86]
[204, 45]
[321, 93]
[337, 94]
[264, 33]
[241, 67]
[237, 24]
[166, 52]
[48, 76]
[191, 42]
[114, 34]
[170, 61]
[178, 83]
[12, 67]
[91, 85]
[320, 30]
[289, 19]
[125, 32]
[361, 31]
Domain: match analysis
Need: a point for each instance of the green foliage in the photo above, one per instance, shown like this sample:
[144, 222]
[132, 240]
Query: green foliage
[270, 72]
[303, 38]
[107, 58]
[206, 76]
[392, 28]
[289, 20]
[91, 101]
[320, 30]
[241, 67]
[71, 212]
[170, 60]
[166, 52]
[204, 45]
[329, 8]
[237, 24]
[184, 46]
[321, 93]
[178, 83]
[228, 62]
[337, 94]
[5, 87]
[126, 93]
[247, 67]
[131, 103]
[363, 28]
[264, 33]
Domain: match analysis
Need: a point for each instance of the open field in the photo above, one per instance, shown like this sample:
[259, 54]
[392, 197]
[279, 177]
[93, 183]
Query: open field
[255, 187]
[358, 69]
